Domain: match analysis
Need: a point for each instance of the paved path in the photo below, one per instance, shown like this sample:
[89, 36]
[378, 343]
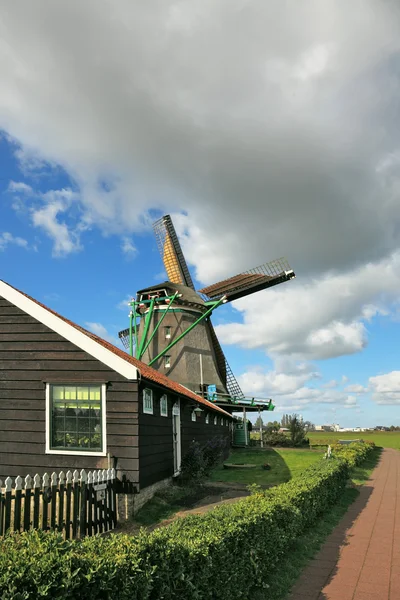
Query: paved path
[361, 558]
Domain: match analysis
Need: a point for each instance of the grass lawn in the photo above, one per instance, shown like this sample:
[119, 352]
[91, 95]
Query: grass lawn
[285, 464]
[386, 439]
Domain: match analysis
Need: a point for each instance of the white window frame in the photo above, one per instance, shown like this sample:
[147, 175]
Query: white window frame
[167, 361]
[222, 421]
[66, 452]
[164, 413]
[207, 418]
[194, 418]
[215, 420]
[148, 411]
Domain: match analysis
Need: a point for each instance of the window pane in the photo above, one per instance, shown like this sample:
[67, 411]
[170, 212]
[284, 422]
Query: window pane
[76, 417]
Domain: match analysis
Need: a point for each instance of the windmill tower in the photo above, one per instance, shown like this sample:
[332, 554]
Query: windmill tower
[170, 323]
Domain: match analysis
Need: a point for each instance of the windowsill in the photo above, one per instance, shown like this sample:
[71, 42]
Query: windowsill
[147, 412]
[76, 453]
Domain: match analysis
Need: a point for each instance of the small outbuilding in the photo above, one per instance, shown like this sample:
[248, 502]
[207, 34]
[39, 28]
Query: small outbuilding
[71, 400]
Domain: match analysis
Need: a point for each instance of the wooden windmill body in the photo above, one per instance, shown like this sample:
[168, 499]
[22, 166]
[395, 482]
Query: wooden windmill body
[171, 328]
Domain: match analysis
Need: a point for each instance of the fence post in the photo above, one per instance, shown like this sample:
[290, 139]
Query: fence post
[17, 503]
[1, 508]
[82, 516]
[7, 520]
[68, 506]
[61, 479]
[53, 501]
[36, 501]
[114, 497]
[45, 501]
[27, 503]
[75, 512]
[89, 495]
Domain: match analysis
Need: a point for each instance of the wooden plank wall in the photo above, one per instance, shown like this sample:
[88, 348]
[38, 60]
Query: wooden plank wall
[156, 459]
[31, 353]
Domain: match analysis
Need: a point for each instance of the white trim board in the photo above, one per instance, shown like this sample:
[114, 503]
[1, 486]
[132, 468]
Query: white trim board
[69, 332]
[65, 452]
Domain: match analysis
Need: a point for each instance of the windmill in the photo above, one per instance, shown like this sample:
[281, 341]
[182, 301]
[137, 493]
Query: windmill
[170, 323]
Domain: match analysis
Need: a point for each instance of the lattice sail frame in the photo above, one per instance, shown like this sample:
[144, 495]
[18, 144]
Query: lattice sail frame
[243, 284]
[171, 252]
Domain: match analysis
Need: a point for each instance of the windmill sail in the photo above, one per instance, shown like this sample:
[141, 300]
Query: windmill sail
[225, 372]
[248, 282]
[171, 252]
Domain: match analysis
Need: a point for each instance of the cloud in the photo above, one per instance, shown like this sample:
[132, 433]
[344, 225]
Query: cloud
[330, 384]
[294, 391]
[320, 319]
[385, 389]
[7, 239]
[128, 247]
[356, 388]
[66, 239]
[260, 148]
[19, 187]
[101, 331]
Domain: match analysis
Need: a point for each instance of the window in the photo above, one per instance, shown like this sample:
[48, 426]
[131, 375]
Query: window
[148, 401]
[222, 421]
[164, 406]
[167, 361]
[167, 331]
[207, 418]
[215, 420]
[193, 415]
[75, 419]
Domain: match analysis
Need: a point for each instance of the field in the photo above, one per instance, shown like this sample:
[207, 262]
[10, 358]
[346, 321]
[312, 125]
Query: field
[285, 464]
[385, 439]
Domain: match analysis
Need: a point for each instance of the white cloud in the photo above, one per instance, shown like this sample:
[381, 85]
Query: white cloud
[65, 239]
[330, 384]
[261, 146]
[317, 319]
[101, 331]
[7, 239]
[124, 304]
[19, 187]
[356, 388]
[295, 391]
[128, 247]
[385, 389]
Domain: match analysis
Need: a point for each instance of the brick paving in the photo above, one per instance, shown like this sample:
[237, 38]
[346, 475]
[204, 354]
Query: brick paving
[360, 560]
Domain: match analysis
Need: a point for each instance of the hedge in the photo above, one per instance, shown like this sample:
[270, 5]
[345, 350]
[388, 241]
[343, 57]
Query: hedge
[221, 555]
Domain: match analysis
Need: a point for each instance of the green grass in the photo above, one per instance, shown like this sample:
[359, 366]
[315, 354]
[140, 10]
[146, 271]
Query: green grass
[359, 475]
[285, 464]
[385, 439]
[167, 502]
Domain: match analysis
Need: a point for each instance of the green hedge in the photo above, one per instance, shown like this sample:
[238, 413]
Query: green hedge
[218, 556]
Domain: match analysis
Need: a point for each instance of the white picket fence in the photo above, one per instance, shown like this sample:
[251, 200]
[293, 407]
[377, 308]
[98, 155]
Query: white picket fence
[76, 504]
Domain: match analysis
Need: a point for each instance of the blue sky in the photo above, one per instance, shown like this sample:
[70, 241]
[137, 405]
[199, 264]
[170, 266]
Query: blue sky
[258, 149]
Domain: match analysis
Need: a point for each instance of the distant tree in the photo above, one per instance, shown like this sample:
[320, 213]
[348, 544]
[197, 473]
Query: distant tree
[258, 423]
[297, 430]
[285, 420]
[309, 426]
[273, 426]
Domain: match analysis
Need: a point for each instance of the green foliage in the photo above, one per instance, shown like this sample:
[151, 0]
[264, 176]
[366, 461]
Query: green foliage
[199, 460]
[354, 454]
[297, 430]
[224, 554]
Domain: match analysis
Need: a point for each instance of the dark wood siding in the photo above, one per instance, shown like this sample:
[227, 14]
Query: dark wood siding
[156, 459]
[31, 354]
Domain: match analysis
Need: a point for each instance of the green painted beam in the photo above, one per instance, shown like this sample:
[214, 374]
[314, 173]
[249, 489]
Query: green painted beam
[171, 299]
[192, 326]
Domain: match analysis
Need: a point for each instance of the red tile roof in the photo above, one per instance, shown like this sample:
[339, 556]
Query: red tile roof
[147, 372]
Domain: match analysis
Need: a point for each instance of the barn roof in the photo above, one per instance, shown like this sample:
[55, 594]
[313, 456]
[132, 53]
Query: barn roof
[114, 357]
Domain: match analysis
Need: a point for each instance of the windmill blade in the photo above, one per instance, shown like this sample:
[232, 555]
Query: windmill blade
[171, 252]
[260, 278]
[225, 372]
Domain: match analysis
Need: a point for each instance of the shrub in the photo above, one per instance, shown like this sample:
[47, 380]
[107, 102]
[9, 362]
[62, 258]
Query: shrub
[221, 555]
[199, 460]
[354, 453]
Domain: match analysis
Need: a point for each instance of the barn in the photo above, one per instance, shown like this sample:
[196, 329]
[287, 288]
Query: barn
[71, 400]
